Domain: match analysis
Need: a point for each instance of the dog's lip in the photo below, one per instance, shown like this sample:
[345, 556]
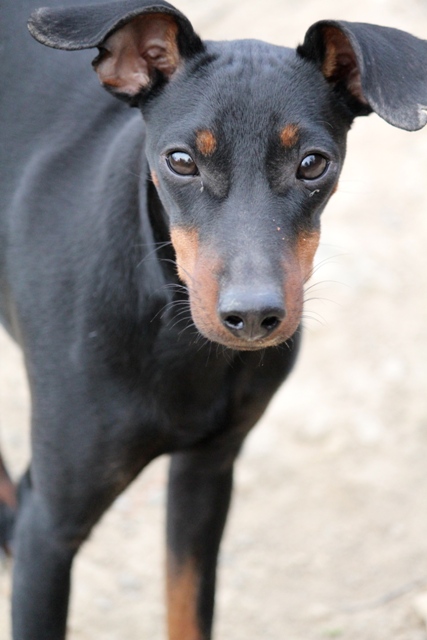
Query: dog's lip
[218, 335]
[250, 345]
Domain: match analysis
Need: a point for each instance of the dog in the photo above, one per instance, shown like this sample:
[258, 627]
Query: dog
[153, 262]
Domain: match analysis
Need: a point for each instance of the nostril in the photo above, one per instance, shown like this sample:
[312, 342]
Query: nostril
[270, 323]
[249, 315]
[234, 322]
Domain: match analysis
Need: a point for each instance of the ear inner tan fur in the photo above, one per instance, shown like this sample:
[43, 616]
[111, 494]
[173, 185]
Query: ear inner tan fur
[340, 61]
[129, 57]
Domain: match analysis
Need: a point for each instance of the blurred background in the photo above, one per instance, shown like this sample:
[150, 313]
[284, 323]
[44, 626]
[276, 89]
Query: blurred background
[328, 533]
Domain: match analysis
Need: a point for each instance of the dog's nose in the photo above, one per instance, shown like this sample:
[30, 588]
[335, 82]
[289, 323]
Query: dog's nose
[251, 315]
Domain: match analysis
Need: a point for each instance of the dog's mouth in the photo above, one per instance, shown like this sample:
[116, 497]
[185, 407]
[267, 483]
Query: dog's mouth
[251, 330]
[238, 314]
[246, 345]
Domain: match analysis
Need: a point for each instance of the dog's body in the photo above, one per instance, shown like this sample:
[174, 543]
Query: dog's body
[118, 372]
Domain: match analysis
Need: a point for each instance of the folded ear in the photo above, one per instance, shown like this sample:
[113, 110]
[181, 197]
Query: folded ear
[138, 40]
[375, 68]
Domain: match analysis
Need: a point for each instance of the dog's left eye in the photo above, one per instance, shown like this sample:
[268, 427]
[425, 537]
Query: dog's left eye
[312, 167]
[182, 163]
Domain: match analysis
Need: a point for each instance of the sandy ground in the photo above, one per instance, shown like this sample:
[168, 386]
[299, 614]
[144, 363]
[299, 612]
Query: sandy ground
[328, 533]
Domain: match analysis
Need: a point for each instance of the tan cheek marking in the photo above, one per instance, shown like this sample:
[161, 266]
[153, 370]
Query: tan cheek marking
[155, 179]
[182, 588]
[289, 135]
[298, 267]
[186, 245]
[198, 268]
[335, 189]
[294, 295]
[206, 142]
[304, 252]
[7, 489]
[204, 296]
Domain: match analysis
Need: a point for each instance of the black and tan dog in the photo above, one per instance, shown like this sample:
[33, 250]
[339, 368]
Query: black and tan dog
[153, 268]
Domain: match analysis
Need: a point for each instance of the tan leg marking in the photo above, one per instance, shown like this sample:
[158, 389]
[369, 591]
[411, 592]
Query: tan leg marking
[182, 589]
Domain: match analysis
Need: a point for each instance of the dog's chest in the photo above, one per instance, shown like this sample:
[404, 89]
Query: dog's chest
[195, 389]
[190, 385]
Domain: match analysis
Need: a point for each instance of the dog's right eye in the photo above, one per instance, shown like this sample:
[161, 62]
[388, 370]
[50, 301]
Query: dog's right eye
[181, 163]
[312, 167]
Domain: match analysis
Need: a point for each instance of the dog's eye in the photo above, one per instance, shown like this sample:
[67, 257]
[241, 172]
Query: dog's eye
[312, 167]
[182, 163]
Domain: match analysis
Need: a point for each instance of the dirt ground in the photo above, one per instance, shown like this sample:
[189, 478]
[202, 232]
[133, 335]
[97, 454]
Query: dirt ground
[328, 533]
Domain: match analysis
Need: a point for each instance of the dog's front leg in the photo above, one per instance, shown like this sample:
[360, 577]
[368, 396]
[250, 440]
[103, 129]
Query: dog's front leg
[42, 565]
[76, 473]
[200, 484]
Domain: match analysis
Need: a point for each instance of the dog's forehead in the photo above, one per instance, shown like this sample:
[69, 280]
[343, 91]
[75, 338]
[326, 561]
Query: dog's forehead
[255, 86]
[247, 72]
[246, 86]
[236, 57]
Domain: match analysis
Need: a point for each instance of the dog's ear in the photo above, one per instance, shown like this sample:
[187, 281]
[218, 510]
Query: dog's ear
[138, 40]
[375, 68]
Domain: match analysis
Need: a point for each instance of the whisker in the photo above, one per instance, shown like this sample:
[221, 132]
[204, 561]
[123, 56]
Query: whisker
[190, 325]
[309, 316]
[163, 243]
[175, 263]
[175, 285]
[155, 250]
[183, 314]
[178, 321]
[169, 305]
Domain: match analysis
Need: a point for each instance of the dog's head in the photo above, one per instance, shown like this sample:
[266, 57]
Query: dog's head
[245, 143]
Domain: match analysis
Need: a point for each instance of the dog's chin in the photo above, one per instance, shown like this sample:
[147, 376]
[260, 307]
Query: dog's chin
[211, 328]
[256, 345]
[236, 344]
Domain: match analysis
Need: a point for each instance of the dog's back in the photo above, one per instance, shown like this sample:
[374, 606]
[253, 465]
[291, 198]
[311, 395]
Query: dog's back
[57, 123]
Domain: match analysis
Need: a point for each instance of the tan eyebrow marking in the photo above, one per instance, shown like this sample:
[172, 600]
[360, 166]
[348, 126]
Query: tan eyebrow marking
[289, 135]
[206, 142]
